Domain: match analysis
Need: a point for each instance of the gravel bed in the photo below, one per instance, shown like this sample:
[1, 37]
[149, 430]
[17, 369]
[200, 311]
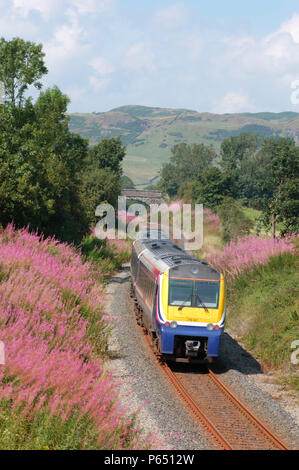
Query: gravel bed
[242, 373]
[146, 387]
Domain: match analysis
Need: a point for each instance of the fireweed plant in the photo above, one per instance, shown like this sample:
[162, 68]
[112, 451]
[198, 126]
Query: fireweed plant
[243, 255]
[54, 391]
[262, 280]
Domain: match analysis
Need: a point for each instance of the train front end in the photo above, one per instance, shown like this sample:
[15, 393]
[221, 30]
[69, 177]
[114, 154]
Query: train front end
[192, 300]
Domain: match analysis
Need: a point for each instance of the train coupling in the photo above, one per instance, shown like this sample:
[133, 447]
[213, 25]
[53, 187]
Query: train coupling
[192, 348]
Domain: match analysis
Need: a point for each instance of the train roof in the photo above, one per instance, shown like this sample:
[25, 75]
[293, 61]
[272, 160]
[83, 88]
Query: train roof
[165, 254]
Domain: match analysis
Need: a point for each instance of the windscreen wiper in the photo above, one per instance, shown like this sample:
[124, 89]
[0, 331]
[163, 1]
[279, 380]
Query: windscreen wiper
[186, 300]
[201, 302]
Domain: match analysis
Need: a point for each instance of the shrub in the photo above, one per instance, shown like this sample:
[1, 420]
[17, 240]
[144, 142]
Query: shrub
[54, 392]
[234, 222]
[246, 253]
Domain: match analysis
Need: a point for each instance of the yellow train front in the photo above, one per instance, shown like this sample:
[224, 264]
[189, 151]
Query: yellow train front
[182, 299]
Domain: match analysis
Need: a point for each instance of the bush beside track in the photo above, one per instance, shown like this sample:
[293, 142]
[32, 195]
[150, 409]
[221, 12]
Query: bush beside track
[262, 311]
[262, 303]
[54, 393]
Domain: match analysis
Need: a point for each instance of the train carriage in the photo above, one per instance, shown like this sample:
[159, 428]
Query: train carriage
[181, 299]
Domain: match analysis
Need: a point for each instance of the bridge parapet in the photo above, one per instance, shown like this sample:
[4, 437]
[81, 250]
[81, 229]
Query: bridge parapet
[144, 195]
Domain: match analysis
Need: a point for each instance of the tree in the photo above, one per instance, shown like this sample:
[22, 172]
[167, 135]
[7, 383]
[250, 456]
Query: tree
[98, 185]
[237, 149]
[61, 158]
[169, 182]
[48, 177]
[127, 183]
[192, 160]
[109, 153]
[211, 188]
[233, 220]
[40, 161]
[281, 183]
[187, 163]
[21, 65]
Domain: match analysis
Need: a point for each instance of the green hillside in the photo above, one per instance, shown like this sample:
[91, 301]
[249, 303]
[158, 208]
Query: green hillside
[149, 133]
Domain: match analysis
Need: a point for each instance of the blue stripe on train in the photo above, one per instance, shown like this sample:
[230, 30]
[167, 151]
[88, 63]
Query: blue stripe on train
[167, 335]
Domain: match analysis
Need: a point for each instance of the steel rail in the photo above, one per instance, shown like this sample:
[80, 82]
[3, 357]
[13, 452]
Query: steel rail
[196, 410]
[261, 426]
[213, 432]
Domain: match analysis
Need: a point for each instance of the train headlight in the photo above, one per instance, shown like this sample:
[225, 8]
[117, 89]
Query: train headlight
[210, 327]
[173, 324]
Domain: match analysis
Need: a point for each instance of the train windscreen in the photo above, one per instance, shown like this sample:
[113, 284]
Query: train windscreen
[193, 293]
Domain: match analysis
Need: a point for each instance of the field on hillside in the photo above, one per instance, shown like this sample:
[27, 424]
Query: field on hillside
[150, 133]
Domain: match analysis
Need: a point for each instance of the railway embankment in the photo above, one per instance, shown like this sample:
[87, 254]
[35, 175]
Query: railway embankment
[262, 305]
[54, 334]
[240, 369]
[262, 328]
[146, 391]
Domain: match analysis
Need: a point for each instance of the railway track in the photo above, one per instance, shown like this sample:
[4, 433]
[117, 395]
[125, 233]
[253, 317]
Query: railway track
[229, 424]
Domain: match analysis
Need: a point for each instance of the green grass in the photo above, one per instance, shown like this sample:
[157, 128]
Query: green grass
[291, 383]
[103, 257]
[263, 311]
[44, 432]
[252, 214]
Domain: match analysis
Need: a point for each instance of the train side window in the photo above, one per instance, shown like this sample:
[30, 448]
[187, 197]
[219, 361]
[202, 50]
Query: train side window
[153, 293]
[146, 282]
[134, 261]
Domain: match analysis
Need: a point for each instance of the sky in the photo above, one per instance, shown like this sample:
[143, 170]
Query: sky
[209, 56]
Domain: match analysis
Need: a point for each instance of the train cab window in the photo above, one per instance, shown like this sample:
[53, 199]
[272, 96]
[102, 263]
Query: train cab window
[193, 293]
[207, 293]
[180, 292]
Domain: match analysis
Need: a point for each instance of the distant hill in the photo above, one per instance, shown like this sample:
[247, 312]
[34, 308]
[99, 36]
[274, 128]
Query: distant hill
[149, 133]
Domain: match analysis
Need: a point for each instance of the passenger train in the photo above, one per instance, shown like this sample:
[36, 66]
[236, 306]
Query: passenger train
[180, 300]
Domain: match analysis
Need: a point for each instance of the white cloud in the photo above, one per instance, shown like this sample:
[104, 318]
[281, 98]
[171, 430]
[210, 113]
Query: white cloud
[90, 6]
[44, 7]
[172, 56]
[233, 102]
[283, 44]
[193, 46]
[271, 58]
[24, 27]
[292, 27]
[67, 41]
[102, 66]
[140, 56]
[76, 93]
[98, 83]
[282, 47]
[172, 16]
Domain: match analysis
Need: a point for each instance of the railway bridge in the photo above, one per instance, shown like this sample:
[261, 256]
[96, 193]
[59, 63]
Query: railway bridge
[143, 195]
